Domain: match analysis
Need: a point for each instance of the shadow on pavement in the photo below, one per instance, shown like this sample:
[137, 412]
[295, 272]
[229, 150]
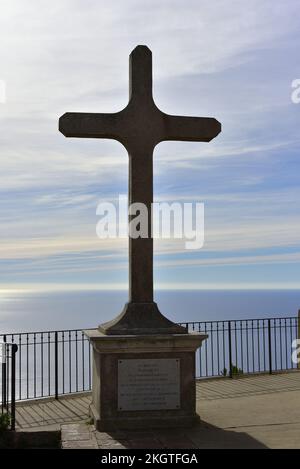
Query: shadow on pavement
[203, 436]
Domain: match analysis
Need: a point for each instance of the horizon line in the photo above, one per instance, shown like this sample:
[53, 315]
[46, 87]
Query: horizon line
[44, 288]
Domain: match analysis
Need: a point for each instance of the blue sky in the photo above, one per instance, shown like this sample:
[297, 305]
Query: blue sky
[228, 59]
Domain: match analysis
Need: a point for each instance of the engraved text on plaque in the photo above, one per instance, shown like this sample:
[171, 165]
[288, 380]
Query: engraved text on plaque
[149, 384]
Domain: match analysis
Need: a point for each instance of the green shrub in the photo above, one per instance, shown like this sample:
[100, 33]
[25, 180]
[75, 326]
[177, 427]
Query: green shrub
[235, 371]
[4, 421]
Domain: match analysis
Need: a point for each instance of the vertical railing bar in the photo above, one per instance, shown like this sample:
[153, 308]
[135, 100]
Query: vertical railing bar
[49, 364]
[291, 341]
[70, 363]
[4, 375]
[258, 344]
[286, 346]
[27, 365]
[34, 364]
[230, 350]
[56, 364]
[82, 360]
[224, 347]
[264, 344]
[281, 359]
[212, 348]
[42, 364]
[90, 374]
[63, 362]
[20, 366]
[253, 348]
[247, 345]
[200, 354]
[76, 359]
[218, 347]
[205, 349]
[2, 379]
[241, 345]
[270, 346]
[7, 384]
[275, 343]
[14, 349]
[236, 343]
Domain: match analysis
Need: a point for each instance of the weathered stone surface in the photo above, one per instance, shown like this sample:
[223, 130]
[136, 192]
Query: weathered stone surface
[140, 126]
[78, 436]
[141, 318]
[109, 350]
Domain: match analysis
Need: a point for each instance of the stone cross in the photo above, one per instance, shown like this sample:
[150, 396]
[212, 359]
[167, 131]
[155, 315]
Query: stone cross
[140, 126]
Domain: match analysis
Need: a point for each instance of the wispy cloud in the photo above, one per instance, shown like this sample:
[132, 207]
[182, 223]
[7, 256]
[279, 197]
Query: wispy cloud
[222, 58]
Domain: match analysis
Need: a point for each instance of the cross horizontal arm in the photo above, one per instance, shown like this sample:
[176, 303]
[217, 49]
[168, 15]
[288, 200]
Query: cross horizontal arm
[190, 129]
[89, 125]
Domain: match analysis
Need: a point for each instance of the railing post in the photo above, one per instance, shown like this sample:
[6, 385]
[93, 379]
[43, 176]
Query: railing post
[4, 375]
[270, 346]
[230, 349]
[298, 337]
[56, 364]
[14, 349]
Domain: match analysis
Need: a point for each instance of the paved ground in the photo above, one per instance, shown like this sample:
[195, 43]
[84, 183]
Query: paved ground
[47, 414]
[251, 412]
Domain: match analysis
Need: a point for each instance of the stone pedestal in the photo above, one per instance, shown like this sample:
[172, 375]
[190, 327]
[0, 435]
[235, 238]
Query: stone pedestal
[143, 381]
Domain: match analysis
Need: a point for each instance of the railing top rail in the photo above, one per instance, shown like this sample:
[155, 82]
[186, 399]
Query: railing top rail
[187, 323]
[52, 331]
[222, 321]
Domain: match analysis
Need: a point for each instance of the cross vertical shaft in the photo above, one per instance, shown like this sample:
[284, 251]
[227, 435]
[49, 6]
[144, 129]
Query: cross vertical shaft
[141, 178]
[141, 249]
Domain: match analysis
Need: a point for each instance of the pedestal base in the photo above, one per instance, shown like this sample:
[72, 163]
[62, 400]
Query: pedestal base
[141, 319]
[143, 381]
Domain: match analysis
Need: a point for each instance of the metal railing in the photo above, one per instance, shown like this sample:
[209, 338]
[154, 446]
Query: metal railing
[246, 346]
[7, 385]
[51, 363]
[54, 363]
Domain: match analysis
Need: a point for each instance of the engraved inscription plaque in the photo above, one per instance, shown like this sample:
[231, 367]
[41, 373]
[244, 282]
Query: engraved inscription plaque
[149, 384]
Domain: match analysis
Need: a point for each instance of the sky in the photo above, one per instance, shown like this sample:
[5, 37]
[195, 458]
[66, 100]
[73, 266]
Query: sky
[228, 59]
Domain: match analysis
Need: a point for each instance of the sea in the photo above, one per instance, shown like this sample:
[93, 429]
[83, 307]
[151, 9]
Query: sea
[43, 311]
